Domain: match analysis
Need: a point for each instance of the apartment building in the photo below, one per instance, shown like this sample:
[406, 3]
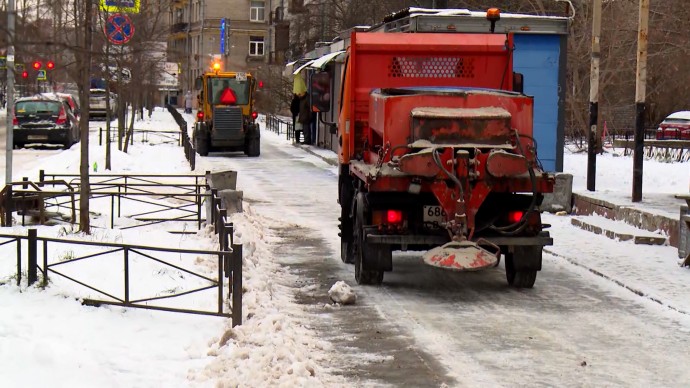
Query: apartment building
[240, 33]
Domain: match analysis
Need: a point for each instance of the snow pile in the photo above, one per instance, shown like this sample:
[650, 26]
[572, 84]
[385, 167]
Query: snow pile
[342, 293]
[270, 348]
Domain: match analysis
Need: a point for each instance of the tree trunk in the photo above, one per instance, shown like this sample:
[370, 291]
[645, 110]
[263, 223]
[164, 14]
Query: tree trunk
[84, 92]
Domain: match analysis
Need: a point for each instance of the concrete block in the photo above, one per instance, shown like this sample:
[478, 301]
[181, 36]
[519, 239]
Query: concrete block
[562, 197]
[231, 200]
[222, 180]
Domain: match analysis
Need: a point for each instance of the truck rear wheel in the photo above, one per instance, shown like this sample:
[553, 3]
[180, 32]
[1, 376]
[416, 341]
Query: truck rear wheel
[523, 278]
[363, 275]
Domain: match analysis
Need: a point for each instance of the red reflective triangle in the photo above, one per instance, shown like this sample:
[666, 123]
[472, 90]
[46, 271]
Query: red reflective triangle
[228, 97]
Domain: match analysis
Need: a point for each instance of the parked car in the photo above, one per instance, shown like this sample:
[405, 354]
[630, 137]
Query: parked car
[70, 99]
[675, 127]
[97, 103]
[45, 120]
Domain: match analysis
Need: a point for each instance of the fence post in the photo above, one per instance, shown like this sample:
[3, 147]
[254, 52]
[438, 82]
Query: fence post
[126, 275]
[32, 261]
[236, 284]
[44, 283]
[19, 261]
[221, 267]
[8, 205]
[100, 136]
[41, 175]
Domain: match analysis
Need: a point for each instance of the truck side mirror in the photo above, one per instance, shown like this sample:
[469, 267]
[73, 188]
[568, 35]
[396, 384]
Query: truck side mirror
[320, 91]
[198, 83]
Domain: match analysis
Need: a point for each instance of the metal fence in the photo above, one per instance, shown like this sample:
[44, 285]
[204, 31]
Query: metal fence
[145, 136]
[229, 262]
[186, 191]
[189, 151]
[280, 126]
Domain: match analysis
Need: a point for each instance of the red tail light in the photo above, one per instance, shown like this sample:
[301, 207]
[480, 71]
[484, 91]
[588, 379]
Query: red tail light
[394, 216]
[62, 117]
[255, 115]
[515, 216]
[199, 115]
[14, 120]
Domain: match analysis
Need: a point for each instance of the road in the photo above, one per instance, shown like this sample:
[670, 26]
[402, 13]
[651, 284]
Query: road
[26, 158]
[429, 327]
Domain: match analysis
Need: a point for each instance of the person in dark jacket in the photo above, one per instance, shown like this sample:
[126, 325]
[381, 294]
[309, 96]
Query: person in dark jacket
[294, 109]
[304, 117]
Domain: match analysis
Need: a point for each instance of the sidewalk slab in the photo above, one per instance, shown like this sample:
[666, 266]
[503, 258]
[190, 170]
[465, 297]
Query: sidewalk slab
[617, 230]
[657, 215]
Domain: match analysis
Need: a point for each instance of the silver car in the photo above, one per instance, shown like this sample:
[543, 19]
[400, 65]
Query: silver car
[97, 103]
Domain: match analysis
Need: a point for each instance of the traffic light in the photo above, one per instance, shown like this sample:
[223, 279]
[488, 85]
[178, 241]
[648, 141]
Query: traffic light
[36, 65]
[50, 65]
[261, 84]
[25, 74]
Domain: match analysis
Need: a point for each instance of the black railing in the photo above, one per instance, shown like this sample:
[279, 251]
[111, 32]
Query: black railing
[278, 125]
[229, 256]
[229, 265]
[189, 151]
[186, 190]
[145, 136]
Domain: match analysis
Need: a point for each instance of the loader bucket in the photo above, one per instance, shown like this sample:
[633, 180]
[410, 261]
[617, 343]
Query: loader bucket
[461, 256]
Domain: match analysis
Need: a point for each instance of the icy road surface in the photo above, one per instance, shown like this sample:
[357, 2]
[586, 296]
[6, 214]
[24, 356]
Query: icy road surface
[427, 327]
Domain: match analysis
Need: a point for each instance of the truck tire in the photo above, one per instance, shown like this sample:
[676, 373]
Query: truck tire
[524, 278]
[347, 254]
[363, 275]
[201, 141]
[253, 148]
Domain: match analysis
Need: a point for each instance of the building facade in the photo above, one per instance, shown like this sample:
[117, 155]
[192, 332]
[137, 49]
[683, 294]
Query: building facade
[243, 34]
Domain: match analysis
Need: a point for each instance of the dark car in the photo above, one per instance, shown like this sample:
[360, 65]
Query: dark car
[675, 127]
[44, 120]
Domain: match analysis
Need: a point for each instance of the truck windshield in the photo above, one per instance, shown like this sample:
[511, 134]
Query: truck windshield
[240, 88]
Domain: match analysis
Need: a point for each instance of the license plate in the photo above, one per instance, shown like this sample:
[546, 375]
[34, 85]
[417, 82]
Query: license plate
[241, 76]
[37, 137]
[434, 216]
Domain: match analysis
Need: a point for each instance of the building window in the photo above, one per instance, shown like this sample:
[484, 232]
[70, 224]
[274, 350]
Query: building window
[256, 11]
[256, 46]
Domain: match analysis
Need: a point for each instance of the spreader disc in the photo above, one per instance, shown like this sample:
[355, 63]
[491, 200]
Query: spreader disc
[460, 256]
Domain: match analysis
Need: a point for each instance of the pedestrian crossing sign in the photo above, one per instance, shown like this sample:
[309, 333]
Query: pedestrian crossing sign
[41, 76]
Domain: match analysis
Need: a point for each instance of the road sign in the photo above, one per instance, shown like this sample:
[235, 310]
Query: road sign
[222, 36]
[130, 6]
[119, 29]
[41, 75]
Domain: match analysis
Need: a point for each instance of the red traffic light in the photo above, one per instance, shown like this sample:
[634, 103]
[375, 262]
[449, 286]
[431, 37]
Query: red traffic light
[36, 65]
[50, 65]
[261, 84]
[25, 74]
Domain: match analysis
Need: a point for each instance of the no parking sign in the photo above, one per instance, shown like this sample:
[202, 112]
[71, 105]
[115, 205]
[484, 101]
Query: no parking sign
[119, 29]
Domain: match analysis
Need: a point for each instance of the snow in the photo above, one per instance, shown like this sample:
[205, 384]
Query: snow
[48, 338]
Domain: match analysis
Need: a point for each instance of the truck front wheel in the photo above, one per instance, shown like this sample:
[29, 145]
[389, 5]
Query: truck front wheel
[201, 141]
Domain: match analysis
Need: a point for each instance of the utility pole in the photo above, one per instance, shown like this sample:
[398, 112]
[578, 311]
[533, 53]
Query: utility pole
[592, 141]
[9, 139]
[640, 94]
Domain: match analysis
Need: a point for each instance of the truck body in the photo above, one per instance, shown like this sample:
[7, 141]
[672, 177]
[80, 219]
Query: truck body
[436, 153]
[225, 119]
